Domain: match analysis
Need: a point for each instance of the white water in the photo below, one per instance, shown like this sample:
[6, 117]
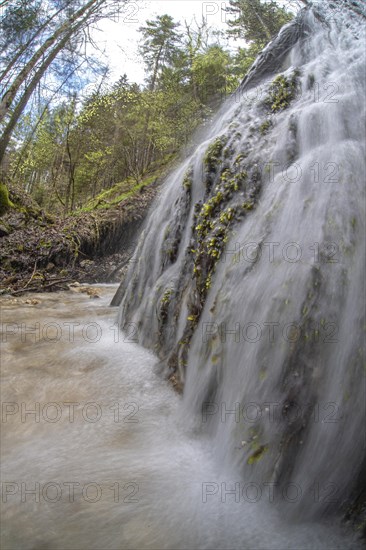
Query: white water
[164, 464]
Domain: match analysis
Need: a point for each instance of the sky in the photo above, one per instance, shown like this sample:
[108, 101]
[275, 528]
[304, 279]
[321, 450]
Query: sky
[119, 39]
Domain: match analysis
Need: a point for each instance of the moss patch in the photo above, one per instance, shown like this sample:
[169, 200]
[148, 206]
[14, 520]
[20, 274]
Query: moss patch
[5, 202]
[282, 91]
[258, 454]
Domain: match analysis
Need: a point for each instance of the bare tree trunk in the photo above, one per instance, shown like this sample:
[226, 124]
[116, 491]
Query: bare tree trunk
[24, 48]
[9, 96]
[5, 138]
[81, 18]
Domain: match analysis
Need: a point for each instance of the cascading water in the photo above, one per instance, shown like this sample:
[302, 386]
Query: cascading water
[248, 281]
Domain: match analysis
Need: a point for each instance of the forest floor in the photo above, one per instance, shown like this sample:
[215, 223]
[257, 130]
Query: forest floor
[41, 252]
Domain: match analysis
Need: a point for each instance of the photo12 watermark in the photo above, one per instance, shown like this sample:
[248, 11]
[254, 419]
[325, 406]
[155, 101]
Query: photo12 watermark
[269, 491]
[322, 332]
[71, 332]
[54, 412]
[53, 492]
[275, 252]
[271, 411]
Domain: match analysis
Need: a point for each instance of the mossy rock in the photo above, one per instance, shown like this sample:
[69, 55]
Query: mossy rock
[282, 91]
[5, 202]
[213, 154]
[188, 179]
[263, 128]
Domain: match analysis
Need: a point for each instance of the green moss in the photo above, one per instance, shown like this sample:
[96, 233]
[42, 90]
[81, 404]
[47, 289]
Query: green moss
[166, 296]
[188, 179]
[122, 191]
[226, 175]
[164, 304]
[239, 158]
[258, 454]
[227, 215]
[263, 128]
[5, 202]
[192, 318]
[213, 154]
[282, 91]
[213, 221]
[208, 281]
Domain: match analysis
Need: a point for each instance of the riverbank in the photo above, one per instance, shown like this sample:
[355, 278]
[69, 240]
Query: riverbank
[42, 253]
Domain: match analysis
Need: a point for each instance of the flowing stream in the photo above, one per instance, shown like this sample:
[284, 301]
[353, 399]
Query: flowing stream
[106, 459]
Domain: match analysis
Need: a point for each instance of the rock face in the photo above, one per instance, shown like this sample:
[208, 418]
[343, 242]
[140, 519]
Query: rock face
[248, 279]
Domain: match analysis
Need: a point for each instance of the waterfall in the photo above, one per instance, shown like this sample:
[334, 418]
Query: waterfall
[248, 278]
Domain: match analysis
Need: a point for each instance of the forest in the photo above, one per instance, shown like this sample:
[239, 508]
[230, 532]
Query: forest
[83, 156]
[63, 146]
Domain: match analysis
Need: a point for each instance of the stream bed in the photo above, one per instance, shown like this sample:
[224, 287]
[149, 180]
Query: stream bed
[98, 452]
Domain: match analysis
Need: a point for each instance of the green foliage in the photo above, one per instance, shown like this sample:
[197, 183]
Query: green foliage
[256, 21]
[159, 47]
[211, 74]
[70, 156]
[118, 193]
[42, 46]
[164, 303]
[244, 59]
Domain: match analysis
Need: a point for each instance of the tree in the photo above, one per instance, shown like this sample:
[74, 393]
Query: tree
[256, 21]
[47, 27]
[160, 46]
[45, 163]
[196, 36]
[66, 152]
[244, 59]
[211, 74]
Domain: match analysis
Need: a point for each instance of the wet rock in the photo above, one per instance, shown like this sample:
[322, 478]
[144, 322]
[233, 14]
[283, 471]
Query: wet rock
[86, 263]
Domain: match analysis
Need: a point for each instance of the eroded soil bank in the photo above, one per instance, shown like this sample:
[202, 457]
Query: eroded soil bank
[41, 252]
